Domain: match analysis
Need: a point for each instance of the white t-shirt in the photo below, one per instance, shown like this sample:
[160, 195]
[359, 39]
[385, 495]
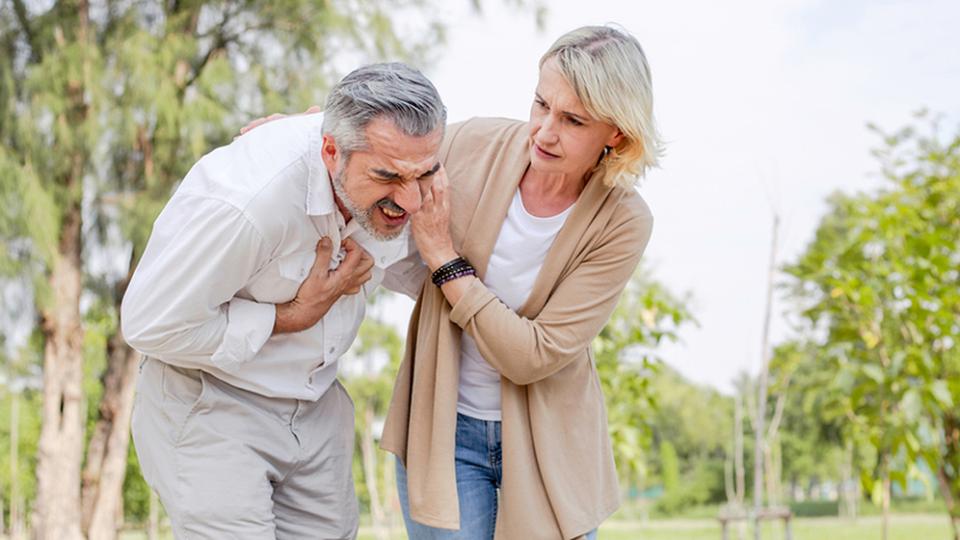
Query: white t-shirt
[514, 264]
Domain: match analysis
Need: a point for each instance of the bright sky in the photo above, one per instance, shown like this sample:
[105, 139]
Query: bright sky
[764, 105]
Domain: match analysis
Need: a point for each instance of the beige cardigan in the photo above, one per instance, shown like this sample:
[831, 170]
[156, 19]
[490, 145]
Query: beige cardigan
[559, 478]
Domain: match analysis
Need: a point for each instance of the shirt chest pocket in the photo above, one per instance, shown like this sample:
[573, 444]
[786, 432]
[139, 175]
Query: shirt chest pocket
[280, 279]
[296, 266]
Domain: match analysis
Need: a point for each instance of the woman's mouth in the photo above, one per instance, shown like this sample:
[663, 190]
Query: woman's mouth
[543, 153]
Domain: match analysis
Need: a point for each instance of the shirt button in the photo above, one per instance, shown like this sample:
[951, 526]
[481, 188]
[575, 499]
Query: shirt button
[332, 349]
[383, 260]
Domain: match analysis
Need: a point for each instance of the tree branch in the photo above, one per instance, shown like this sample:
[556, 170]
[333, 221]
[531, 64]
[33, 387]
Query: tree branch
[24, 19]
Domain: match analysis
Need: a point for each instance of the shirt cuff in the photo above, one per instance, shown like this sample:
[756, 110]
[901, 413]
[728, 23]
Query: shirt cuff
[473, 300]
[249, 326]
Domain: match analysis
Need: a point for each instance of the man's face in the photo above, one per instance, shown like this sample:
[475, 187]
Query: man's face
[381, 186]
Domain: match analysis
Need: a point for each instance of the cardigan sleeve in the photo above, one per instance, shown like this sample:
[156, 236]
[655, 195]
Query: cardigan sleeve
[527, 350]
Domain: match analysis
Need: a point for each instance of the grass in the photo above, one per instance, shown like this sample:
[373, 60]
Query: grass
[902, 527]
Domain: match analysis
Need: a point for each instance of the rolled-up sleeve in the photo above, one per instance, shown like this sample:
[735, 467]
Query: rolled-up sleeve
[182, 305]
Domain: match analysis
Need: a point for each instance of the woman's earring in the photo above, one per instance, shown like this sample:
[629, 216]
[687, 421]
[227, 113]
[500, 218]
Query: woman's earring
[606, 151]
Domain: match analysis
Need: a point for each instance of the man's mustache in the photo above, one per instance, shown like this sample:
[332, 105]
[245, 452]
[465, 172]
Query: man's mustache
[390, 205]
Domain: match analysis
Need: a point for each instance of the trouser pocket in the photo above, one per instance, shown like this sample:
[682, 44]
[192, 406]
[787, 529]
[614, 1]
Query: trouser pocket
[183, 393]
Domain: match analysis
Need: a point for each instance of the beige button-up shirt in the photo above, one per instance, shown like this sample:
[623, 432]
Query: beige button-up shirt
[237, 237]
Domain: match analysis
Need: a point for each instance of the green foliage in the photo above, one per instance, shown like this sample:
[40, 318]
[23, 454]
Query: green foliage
[106, 106]
[879, 284]
[625, 355]
[670, 467]
[30, 402]
[136, 492]
[810, 435]
[670, 474]
[371, 393]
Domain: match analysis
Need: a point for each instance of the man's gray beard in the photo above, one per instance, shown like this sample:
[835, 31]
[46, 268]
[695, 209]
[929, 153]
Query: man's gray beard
[364, 217]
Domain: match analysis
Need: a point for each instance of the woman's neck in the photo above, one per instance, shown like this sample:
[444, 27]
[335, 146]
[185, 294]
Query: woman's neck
[548, 194]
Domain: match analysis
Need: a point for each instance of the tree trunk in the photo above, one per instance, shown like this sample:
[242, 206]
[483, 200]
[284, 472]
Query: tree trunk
[772, 467]
[761, 404]
[14, 461]
[948, 473]
[369, 454]
[60, 448]
[391, 504]
[944, 483]
[728, 487]
[740, 478]
[886, 505]
[106, 464]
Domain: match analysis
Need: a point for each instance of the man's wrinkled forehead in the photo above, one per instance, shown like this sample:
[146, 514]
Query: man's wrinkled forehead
[393, 153]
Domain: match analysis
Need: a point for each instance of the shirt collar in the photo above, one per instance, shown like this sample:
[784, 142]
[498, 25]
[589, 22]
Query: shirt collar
[384, 252]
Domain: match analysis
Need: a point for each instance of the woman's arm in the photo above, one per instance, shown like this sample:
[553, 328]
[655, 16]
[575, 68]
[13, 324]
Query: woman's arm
[527, 350]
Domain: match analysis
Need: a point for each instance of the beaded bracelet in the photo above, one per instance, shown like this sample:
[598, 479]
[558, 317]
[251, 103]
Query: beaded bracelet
[457, 268]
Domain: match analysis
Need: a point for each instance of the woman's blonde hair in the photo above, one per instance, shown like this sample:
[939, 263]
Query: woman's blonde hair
[607, 69]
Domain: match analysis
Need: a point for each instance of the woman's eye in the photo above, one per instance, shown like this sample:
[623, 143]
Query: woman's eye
[575, 122]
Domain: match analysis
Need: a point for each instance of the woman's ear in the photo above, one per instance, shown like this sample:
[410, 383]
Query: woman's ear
[615, 139]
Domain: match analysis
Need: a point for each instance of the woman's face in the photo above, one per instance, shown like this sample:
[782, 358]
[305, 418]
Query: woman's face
[565, 138]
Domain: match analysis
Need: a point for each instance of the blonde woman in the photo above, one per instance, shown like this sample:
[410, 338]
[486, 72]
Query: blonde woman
[497, 418]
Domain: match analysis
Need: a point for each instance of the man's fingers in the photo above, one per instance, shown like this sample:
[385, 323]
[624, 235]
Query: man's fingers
[349, 245]
[366, 262]
[313, 109]
[353, 258]
[324, 252]
[252, 124]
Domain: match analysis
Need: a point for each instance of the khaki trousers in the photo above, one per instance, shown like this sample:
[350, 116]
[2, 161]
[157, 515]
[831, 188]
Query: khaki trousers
[228, 463]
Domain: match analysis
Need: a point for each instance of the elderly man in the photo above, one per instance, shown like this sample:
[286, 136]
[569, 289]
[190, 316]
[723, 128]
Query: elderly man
[251, 287]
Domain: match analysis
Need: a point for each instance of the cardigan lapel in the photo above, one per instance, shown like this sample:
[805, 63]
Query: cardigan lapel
[591, 207]
[491, 210]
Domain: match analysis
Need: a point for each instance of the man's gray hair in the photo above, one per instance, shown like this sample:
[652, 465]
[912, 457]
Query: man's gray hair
[393, 90]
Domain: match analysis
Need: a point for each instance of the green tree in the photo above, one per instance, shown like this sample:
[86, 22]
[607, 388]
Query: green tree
[696, 423]
[810, 437]
[371, 388]
[103, 107]
[670, 474]
[626, 358]
[880, 284]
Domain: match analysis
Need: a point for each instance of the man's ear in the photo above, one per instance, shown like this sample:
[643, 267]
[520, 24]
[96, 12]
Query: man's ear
[330, 153]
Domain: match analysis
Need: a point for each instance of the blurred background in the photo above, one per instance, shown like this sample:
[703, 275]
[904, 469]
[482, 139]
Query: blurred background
[787, 350]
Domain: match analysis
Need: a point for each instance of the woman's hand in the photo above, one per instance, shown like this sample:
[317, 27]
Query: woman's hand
[431, 224]
[275, 116]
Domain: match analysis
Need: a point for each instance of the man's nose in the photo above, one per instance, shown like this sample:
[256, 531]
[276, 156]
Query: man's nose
[408, 196]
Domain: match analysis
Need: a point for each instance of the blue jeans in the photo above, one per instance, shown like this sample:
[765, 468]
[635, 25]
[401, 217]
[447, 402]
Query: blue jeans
[479, 472]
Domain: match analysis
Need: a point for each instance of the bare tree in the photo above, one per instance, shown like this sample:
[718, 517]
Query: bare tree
[761, 403]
